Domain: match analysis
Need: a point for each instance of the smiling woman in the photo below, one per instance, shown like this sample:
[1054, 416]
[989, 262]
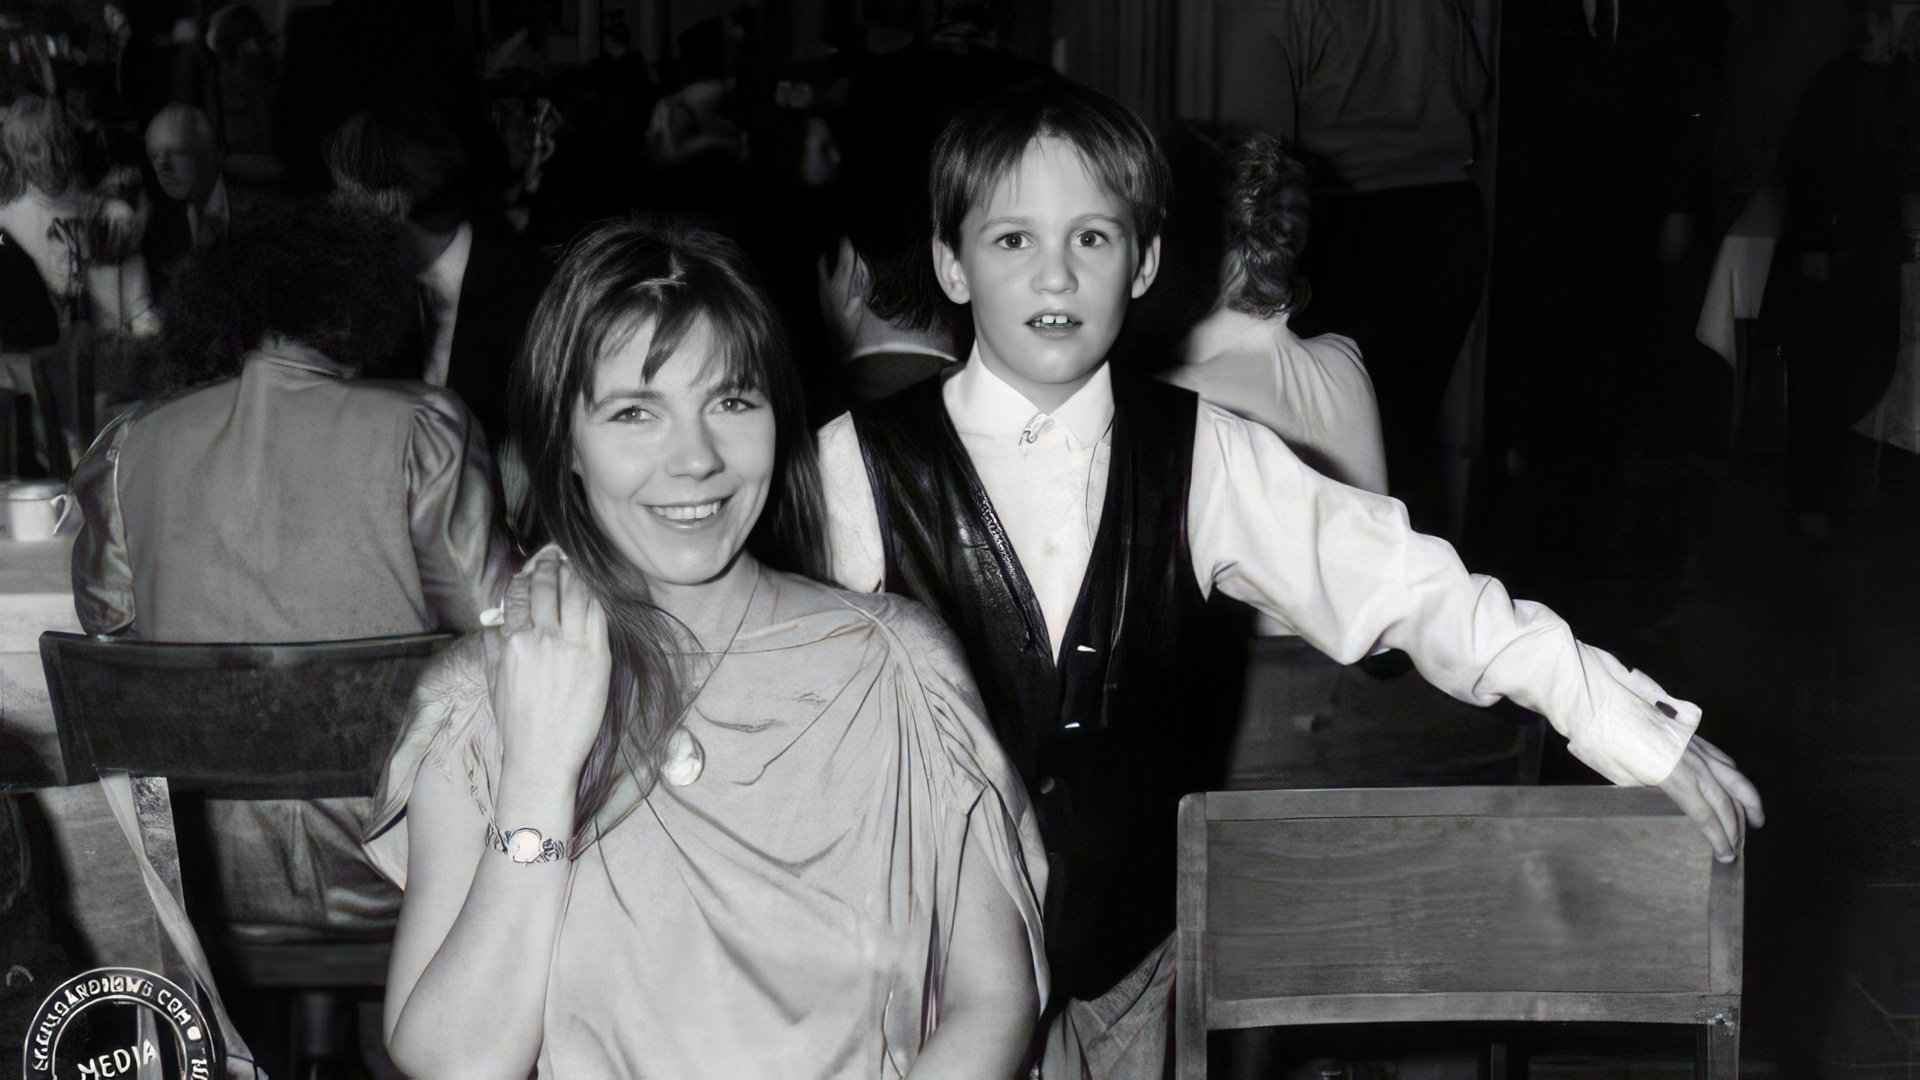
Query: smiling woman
[686, 812]
[676, 466]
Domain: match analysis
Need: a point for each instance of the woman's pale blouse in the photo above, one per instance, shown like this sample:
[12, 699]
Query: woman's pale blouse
[789, 913]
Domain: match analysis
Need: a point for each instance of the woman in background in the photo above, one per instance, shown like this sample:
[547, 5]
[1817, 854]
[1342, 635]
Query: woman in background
[1313, 392]
[83, 242]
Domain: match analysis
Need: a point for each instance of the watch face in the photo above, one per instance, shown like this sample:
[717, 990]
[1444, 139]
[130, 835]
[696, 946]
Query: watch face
[523, 845]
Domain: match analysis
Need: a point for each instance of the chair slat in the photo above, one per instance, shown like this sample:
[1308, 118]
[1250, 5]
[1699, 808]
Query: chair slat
[1411, 904]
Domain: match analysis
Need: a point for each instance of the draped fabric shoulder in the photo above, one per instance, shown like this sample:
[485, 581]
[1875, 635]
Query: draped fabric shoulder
[448, 725]
[986, 791]
[808, 876]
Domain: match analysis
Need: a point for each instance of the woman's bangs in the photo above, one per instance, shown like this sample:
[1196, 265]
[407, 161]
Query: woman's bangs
[610, 325]
[738, 360]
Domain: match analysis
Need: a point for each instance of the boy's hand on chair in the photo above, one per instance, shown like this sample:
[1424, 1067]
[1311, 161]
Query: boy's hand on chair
[1716, 795]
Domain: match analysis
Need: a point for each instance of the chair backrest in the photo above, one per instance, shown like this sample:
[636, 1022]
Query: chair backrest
[297, 721]
[1449, 904]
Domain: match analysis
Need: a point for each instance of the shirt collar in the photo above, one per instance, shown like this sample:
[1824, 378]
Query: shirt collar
[445, 273]
[902, 347]
[1225, 326]
[982, 403]
[287, 353]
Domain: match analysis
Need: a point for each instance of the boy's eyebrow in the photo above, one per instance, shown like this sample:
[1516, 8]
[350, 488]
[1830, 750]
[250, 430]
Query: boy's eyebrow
[1012, 219]
[1009, 219]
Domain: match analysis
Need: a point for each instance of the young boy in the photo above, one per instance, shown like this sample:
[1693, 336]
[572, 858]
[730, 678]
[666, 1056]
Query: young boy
[1069, 523]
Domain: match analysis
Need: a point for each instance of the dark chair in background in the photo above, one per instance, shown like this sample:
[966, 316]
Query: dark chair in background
[291, 721]
[1473, 904]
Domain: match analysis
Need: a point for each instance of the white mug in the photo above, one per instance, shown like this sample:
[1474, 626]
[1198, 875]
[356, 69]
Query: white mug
[35, 509]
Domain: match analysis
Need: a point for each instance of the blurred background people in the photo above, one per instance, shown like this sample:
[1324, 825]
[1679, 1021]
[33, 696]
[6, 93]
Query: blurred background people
[193, 211]
[890, 324]
[1392, 97]
[1851, 173]
[1313, 392]
[475, 285]
[83, 243]
[246, 78]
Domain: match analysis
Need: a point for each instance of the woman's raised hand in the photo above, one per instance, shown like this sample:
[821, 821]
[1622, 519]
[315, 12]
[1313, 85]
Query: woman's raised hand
[550, 674]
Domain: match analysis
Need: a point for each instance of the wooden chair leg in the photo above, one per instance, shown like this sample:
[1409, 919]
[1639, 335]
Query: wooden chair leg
[153, 810]
[1718, 1056]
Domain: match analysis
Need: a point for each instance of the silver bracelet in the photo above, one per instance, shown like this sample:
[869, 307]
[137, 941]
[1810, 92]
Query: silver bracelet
[525, 846]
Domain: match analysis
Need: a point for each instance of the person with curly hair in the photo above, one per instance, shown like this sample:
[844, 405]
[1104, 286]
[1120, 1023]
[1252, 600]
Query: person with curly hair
[275, 494]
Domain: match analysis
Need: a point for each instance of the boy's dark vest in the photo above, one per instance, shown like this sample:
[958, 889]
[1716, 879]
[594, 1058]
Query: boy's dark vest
[1126, 722]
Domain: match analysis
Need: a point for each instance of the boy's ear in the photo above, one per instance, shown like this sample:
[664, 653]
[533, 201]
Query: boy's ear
[1149, 268]
[953, 276]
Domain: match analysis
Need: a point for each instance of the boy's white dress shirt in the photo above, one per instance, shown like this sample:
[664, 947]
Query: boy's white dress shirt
[1339, 566]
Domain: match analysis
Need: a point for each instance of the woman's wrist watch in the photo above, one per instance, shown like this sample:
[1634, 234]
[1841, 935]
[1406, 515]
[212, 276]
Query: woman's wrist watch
[525, 846]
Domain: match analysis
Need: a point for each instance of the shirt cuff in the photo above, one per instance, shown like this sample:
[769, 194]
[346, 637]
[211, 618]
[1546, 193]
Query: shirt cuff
[1633, 732]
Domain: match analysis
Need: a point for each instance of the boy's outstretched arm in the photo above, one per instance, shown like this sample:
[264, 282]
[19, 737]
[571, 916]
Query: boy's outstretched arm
[1344, 569]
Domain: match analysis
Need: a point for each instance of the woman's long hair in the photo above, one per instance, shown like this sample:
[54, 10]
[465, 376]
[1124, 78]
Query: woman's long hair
[1258, 274]
[618, 278]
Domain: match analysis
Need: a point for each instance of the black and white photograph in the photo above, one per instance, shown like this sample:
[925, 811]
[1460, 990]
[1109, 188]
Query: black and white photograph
[995, 539]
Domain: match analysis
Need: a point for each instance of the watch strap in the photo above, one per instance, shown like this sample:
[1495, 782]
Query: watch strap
[505, 841]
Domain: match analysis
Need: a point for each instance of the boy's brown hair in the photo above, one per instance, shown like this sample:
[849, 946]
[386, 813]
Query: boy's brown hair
[985, 143]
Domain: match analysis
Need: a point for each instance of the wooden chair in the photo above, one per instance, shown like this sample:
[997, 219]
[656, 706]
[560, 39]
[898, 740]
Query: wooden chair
[294, 721]
[1453, 904]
